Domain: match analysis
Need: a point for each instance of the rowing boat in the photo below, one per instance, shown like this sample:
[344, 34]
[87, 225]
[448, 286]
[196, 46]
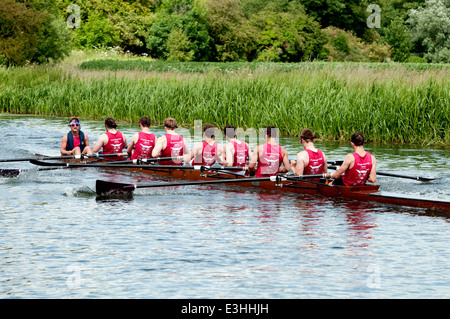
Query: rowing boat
[286, 183]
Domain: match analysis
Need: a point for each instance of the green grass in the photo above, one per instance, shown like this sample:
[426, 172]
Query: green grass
[400, 104]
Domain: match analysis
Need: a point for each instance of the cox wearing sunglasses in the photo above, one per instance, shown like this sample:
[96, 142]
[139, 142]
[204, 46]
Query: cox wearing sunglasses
[75, 142]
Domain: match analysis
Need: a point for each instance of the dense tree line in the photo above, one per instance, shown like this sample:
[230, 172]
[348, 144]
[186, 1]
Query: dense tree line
[227, 30]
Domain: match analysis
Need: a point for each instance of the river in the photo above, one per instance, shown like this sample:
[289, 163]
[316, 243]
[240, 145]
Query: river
[58, 240]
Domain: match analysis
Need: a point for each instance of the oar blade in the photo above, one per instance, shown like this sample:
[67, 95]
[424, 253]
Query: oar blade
[9, 172]
[113, 188]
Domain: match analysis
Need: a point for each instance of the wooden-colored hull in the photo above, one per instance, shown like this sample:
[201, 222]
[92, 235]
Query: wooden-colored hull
[367, 193]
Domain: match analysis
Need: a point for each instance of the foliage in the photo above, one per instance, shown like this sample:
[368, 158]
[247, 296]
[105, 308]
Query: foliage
[345, 46]
[178, 46]
[397, 36]
[288, 37]
[430, 27]
[189, 16]
[31, 32]
[234, 37]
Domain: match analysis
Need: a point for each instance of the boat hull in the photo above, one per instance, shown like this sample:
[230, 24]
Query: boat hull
[366, 193]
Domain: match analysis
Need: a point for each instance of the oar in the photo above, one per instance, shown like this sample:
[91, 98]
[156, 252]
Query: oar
[417, 178]
[105, 187]
[5, 172]
[147, 160]
[143, 166]
[81, 156]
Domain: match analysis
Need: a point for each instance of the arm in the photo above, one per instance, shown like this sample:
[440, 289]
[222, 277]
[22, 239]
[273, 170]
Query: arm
[298, 166]
[253, 159]
[64, 145]
[220, 154]
[373, 173]
[348, 161]
[102, 140]
[124, 141]
[229, 154]
[286, 166]
[132, 143]
[158, 146]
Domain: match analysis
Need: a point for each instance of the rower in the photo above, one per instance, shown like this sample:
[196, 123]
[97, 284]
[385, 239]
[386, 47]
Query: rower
[311, 160]
[75, 142]
[171, 145]
[236, 152]
[208, 152]
[357, 167]
[143, 142]
[112, 141]
[269, 158]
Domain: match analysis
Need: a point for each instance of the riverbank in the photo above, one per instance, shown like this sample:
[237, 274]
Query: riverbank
[399, 104]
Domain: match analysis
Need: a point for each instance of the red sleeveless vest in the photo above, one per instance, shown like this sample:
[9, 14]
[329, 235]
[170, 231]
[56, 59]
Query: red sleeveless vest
[240, 154]
[358, 174]
[175, 147]
[269, 161]
[115, 145]
[144, 146]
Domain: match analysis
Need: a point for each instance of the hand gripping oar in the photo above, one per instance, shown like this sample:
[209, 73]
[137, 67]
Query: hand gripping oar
[105, 187]
[81, 156]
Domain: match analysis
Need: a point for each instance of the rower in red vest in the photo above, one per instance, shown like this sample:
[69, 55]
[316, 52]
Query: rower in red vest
[75, 142]
[310, 161]
[269, 158]
[209, 151]
[142, 143]
[236, 152]
[171, 145]
[112, 141]
[357, 167]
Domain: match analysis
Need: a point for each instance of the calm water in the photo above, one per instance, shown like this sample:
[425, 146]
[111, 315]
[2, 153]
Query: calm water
[58, 240]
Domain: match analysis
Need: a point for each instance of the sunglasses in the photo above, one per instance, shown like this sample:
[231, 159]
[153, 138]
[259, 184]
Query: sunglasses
[74, 124]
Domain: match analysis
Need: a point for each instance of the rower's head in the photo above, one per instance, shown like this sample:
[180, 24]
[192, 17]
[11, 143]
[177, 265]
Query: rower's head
[230, 131]
[145, 121]
[271, 132]
[110, 123]
[209, 131]
[74, 124]
[170, 123]
[357, 139]
[307, 136]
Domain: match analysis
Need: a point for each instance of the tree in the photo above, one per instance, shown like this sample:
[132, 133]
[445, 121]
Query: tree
[429, 26]
[397, 36]
[189, 16]
[178, 46]
[234, 37]
[32, 32]
[289, 37]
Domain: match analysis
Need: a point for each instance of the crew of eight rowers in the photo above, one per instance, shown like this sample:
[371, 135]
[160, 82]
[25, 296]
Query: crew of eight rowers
[265, 160]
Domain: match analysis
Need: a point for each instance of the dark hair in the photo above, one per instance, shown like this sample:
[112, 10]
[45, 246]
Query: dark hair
[271, 131]
[209, 130]
[74, 119]
[110, 122]
[170, 123]
[145, 121]
[230, 131]
[357, 139]
[307, 135]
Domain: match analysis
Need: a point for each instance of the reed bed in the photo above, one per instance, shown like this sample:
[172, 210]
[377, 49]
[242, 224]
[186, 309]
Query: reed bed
[397, 104]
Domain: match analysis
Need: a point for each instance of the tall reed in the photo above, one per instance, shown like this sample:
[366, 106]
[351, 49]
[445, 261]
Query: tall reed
[387, 105]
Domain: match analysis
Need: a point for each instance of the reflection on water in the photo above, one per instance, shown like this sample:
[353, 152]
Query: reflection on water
[215, 241]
